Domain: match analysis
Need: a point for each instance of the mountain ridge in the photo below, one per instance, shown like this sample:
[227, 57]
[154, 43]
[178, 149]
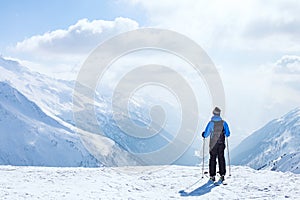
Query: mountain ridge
[276, 139]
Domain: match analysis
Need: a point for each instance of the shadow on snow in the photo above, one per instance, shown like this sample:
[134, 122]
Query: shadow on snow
[202, 190]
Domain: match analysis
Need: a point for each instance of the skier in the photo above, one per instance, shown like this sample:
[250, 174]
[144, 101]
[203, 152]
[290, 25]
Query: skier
[217, 129]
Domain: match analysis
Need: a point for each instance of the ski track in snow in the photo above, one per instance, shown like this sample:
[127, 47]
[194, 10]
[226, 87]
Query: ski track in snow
[160, 182]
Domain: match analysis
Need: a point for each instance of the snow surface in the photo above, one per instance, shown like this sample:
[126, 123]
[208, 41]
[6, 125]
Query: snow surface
[159, 182]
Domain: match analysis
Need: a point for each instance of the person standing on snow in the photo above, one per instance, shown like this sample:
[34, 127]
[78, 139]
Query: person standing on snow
[217, 129]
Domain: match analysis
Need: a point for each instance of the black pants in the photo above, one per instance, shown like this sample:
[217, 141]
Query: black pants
[217, 151]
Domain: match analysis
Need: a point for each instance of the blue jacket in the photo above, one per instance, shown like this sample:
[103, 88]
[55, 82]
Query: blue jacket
[210, 126]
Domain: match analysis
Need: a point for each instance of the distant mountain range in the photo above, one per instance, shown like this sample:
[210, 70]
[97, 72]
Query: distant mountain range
[37, 128]
[275, 146]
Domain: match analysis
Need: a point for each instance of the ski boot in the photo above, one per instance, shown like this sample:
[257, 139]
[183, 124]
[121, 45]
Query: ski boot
[222, 178]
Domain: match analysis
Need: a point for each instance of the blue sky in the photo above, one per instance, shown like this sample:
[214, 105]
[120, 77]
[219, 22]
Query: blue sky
[23, 19]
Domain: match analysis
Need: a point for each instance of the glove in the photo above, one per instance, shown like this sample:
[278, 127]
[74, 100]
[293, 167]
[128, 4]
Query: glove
[203, 134]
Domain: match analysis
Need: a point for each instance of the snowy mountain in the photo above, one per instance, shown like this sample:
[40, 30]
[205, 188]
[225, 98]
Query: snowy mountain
[275, 146]
[30, 137]
[151, 182]
[54, 98]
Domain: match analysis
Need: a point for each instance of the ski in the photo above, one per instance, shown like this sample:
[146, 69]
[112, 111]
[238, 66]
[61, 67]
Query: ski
[219, 182]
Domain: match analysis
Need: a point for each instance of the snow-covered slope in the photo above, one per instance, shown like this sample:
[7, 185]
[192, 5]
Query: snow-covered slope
[278, 139]
[159, 182]
[287, 162]
[53, 96]
[29, 137]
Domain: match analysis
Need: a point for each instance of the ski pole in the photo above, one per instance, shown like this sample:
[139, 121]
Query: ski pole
[203, 144]
[228, 156]
[192, 185]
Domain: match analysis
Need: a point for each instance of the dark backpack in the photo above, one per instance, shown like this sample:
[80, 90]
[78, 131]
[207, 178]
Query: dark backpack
[217, 136]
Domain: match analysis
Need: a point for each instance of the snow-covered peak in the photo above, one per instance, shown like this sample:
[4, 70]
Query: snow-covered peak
[11, 65]
[53, 96]
[277, 138]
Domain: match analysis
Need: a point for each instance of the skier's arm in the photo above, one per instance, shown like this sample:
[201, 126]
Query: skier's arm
[226, 128]
[208, 129]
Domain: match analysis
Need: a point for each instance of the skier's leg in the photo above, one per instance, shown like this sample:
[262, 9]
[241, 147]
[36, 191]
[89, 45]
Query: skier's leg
[221, 159]
[212, 161]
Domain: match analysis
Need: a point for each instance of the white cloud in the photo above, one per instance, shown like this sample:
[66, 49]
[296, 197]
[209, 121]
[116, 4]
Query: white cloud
[286, 81]
[257, 95]
[232, 24]
[79, 38]
[288, 64]
[61, 51]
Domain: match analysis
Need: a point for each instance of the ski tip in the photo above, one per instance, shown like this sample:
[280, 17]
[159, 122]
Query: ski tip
[183, 193]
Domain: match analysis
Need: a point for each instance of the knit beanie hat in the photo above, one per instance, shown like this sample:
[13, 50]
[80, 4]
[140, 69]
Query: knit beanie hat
[217, 111]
